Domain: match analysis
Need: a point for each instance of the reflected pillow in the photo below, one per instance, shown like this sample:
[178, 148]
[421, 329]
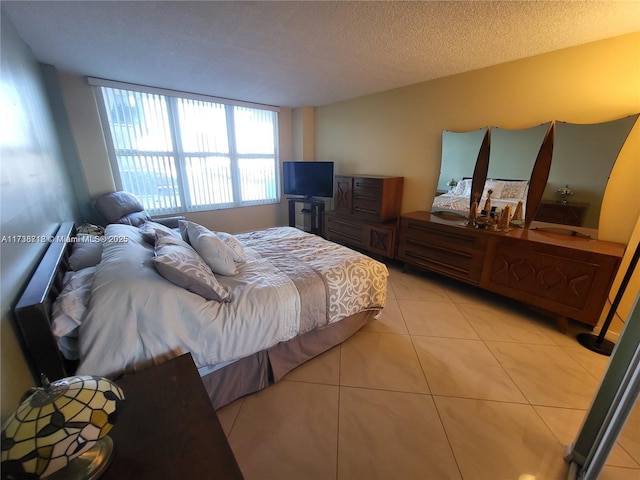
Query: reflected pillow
[177, 262]
[495, 186]
[514, 189]
[463, 189]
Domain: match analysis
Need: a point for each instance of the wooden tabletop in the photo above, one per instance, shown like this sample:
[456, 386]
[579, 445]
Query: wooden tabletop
[168, 428]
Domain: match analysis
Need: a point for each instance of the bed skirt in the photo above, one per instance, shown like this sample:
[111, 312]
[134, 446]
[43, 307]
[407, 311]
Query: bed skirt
[258, 371]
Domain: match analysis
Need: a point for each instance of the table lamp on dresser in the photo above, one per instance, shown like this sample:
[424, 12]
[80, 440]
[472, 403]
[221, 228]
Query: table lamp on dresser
[60, 430]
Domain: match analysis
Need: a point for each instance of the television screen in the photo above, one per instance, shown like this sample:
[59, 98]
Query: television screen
[310, 179]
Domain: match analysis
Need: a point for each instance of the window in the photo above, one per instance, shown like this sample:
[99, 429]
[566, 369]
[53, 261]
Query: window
[185, 154]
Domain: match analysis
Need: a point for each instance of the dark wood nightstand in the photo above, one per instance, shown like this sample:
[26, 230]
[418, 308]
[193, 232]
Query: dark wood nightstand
[168, 428]
[570, 213]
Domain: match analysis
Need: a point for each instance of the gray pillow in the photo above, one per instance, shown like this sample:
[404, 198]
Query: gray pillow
[136, 219]
[177, 262]
[86, 252]
[115, 206]
[212, 249]
[149, 230]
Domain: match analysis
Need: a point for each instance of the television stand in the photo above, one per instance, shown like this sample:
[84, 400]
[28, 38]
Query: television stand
[312, 208]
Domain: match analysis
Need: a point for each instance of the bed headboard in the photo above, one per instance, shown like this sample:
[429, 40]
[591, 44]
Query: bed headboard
[33, 310]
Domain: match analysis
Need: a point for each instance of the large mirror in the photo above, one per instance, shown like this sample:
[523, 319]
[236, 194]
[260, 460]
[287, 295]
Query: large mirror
[511, 157]
[461, 152]
[513, 154]
[582, 159]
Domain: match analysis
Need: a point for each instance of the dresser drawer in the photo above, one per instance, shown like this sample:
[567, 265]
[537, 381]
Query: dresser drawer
[381, 239]
[367, 197]
[375, 237]
[562, 280]
[453, 251]
[343, 230]
[442, 235]
[370, 198]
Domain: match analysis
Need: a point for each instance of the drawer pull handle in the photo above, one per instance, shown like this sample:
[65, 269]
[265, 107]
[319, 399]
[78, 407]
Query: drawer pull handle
[442, 265]
[345, 235]
[464, 238]
[365, 198]
[364, 210]
[345, 224]
[449, 251]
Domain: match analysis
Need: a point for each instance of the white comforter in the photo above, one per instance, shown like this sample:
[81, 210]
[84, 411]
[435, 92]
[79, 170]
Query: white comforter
[136, 317]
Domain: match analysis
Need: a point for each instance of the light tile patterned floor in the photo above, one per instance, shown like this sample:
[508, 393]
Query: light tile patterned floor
[449, 383]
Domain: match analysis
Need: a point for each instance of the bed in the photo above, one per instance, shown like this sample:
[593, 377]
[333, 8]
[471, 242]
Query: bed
[504, 192]
[285, 296]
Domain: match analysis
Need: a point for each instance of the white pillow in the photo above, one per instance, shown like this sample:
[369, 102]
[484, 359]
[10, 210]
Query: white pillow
[215, 253]
[69, 308]
[463, 189]
[237, 250]
[495, 186]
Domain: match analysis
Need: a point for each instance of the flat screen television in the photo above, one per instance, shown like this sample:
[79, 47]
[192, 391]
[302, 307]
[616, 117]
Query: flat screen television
[309, 179]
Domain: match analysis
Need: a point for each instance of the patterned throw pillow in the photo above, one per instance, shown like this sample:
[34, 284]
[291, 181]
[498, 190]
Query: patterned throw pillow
[514, 189]
[176, 261]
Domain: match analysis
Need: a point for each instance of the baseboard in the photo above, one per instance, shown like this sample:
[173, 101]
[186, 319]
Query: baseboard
[612, 336]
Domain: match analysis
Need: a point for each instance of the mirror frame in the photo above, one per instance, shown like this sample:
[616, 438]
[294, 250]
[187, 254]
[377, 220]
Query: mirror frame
[539, 176]
[480, 170]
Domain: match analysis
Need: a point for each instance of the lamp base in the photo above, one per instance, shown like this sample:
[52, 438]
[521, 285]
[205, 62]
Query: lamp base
[590, 341]
[89, 465]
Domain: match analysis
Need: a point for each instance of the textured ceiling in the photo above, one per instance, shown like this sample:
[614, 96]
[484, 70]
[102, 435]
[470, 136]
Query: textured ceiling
[303, 53]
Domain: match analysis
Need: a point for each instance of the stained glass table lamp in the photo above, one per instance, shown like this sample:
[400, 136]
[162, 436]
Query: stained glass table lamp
[60, 430]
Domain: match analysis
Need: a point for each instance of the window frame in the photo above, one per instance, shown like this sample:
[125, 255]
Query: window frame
[171, 97]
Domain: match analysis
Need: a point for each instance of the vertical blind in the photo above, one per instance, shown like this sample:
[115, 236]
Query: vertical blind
[185, 154]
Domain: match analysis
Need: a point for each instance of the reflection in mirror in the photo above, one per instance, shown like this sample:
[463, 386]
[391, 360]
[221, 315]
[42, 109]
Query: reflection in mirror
[460, 152]
[514, 152]
[513, 155]
[583, 157]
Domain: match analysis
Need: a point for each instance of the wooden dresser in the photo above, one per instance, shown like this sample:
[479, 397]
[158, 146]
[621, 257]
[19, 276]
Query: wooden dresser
[366, 209]
[568, 276]
[168, 428]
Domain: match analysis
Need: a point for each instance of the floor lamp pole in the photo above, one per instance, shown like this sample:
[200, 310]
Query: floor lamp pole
[598, 343]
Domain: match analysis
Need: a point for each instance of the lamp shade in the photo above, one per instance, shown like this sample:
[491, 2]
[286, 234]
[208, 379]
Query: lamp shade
[59, 422]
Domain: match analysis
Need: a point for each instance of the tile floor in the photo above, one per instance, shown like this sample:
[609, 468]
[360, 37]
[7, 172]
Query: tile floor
[449, 383]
